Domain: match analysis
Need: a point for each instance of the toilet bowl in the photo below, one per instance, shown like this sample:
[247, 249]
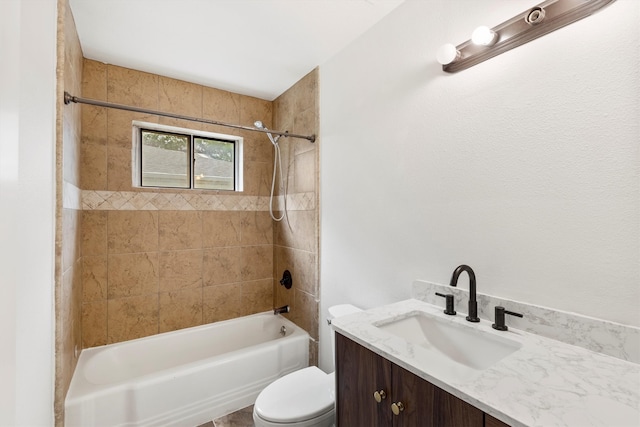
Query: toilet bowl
[304, 398]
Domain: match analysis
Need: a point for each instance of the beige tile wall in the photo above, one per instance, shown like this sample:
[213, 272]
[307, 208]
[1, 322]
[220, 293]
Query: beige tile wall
[296, 239]
[106, 133]
[146, 272]
[152, 271]
[68, 274]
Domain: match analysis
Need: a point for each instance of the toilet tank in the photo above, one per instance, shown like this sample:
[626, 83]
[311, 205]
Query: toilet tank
[338, 311]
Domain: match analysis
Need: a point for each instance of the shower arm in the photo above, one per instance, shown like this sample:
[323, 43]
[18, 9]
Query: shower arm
[68, 98]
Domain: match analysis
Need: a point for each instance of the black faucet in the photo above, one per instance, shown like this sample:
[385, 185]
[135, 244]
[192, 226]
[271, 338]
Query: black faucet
[500, 312]
[449, 303]
[473, 304]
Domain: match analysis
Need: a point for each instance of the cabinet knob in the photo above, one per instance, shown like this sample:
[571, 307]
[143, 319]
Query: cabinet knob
[396, 408]
[379, 396]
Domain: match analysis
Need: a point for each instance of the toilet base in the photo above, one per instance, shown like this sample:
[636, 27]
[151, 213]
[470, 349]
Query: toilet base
[325, 420]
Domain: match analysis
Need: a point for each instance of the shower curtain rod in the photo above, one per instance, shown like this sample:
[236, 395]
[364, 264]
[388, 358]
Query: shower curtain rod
[68, 98]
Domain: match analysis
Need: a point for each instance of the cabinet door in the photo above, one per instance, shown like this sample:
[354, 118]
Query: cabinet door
[426, 405]
[359, 373]
[489, 421]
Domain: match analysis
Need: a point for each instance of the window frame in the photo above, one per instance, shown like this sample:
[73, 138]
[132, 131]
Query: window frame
[136, 155]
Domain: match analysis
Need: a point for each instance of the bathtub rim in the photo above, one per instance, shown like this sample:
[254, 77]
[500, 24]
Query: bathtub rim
[193, 328]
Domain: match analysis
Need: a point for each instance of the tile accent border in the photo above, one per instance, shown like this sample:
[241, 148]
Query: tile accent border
[602, 336]
[141, 201]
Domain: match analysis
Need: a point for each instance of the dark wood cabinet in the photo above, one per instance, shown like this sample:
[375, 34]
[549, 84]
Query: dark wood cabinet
[360, 373]
[489, 421]
[429, 406]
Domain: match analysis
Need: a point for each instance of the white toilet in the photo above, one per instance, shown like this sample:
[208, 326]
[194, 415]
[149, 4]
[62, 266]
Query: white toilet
[304, 398]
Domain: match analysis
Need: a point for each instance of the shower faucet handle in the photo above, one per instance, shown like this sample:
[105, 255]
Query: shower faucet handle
[287, 280]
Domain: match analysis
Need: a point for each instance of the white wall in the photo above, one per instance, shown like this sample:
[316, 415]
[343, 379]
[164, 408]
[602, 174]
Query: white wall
[27, 197]
[526, 167]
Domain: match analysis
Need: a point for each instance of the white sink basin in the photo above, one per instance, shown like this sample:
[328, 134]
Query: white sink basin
[453, 349]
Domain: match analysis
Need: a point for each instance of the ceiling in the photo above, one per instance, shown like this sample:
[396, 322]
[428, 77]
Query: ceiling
[252, 47]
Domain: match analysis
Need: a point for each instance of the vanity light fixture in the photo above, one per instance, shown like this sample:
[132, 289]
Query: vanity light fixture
[484, 36]
[542, 19]
[447, 54]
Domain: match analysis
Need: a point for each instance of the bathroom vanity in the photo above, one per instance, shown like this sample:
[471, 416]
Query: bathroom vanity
[408, 364]
[372, 390]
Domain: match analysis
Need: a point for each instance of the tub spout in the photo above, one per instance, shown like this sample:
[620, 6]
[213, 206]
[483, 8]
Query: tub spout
[280, 310]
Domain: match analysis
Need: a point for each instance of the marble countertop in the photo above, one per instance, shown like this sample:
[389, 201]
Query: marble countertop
[543, 383]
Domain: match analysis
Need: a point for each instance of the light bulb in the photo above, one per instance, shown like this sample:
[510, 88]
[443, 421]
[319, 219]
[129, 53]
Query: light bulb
[483, 36]
[447, 53]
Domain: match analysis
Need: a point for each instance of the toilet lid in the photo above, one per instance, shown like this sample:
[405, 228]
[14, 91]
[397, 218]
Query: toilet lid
[299, 396]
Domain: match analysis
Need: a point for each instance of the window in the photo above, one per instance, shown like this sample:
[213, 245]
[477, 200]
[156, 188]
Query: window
[171, 157]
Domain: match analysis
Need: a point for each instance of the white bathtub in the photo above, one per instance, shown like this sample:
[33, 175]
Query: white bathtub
[185, 377]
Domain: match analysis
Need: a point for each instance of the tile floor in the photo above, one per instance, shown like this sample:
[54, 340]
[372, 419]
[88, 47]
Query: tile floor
[241, 418]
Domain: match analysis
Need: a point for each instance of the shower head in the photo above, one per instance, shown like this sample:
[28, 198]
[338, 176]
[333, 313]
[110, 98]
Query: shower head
[258, 124]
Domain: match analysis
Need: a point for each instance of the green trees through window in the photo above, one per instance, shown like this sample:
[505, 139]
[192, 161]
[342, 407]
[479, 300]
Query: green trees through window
[176, 160]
